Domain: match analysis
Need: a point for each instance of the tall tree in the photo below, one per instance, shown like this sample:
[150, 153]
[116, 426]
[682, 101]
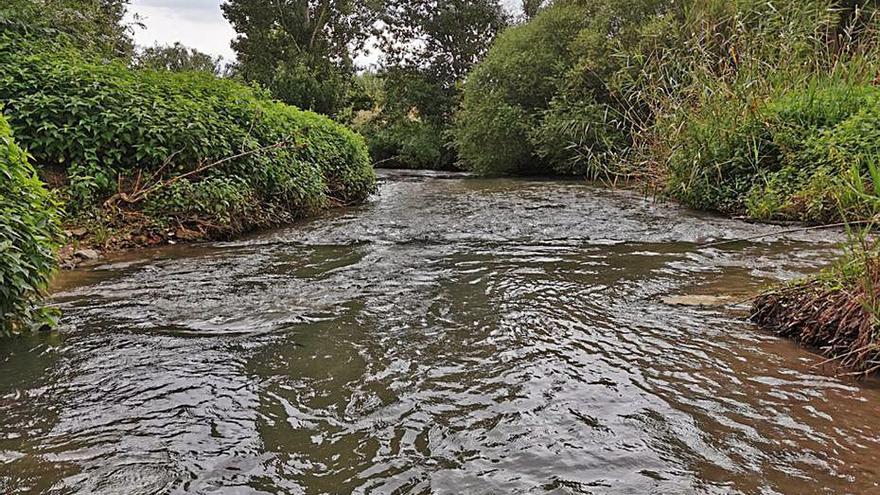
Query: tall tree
[300, 49]
[442, 39]
[177, 58]
[428, 47]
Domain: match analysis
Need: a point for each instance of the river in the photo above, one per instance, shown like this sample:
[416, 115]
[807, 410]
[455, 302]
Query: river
[451, 336]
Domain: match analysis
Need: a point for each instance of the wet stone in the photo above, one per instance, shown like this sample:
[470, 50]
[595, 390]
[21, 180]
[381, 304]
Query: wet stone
[87, 254]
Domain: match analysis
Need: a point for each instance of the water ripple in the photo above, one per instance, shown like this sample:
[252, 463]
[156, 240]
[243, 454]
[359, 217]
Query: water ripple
[452, 336]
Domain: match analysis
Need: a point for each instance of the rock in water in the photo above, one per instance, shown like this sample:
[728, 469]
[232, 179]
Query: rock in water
[87, 254]
[697, 300]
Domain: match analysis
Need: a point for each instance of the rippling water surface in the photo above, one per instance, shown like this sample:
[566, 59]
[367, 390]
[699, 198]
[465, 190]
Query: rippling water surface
[452, 336]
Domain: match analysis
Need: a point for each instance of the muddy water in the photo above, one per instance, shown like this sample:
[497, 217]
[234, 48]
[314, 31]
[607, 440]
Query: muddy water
[452, 336]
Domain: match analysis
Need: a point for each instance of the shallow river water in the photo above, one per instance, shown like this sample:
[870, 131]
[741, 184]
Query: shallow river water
[452, 336]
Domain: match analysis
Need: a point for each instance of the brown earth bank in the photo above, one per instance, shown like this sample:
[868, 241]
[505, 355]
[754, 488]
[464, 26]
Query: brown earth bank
[87, 241]
[833, 313]
[90, 243]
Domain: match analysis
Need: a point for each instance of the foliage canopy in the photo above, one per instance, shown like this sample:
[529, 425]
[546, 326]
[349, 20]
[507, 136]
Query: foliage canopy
[298, 49]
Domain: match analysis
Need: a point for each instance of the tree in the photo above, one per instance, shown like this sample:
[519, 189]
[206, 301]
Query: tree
[442, 39]
[428, 48]
[545, 97]
[301, 50]
[177, 58]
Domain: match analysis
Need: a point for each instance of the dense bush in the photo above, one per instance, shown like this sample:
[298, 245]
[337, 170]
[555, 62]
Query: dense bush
[177, 58]
[406, 143]
[96, 25]
[549, 98]
[827, 155]
[764, 108]
[28, 238]
[407, 122]
[507, 92]
[152, 137]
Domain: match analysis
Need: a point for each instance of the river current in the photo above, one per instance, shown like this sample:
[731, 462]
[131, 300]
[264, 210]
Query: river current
[452, 336]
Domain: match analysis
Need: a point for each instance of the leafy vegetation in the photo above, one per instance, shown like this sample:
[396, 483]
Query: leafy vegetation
[428, 47]
[405, 128]
[543, 101]
[29, 236]
[721, 104]
[96, 25]
[181, 148]
[740, 132]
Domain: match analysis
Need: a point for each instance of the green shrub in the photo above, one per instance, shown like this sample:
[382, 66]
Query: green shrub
[578, 138]
[546, 98]
[792, 157]
[828, 142]
[110, 129]
[96, 25]
[29, 235]
[742, 93]
[506, 93]
[407, 124]
[406, 143]
[717, 154]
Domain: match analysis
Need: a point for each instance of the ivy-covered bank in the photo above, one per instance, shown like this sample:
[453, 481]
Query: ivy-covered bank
[29, 236]
[138, 157]
[172, 150]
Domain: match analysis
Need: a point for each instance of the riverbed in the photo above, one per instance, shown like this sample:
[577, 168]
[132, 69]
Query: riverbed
[453, 335]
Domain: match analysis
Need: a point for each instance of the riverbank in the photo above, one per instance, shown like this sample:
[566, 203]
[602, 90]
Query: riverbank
[767, 110]
[835, 312]
[137, 158]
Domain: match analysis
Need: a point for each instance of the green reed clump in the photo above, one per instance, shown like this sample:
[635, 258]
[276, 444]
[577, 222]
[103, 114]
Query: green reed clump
[828, 164]
[29, 236]
[748, 107]
[756, 102]
[791, 156]
[180, 148]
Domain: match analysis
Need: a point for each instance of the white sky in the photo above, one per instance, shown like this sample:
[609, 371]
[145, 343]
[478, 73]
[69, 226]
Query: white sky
[195, 23]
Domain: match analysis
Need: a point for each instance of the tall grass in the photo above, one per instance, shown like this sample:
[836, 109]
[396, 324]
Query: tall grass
[742, 97]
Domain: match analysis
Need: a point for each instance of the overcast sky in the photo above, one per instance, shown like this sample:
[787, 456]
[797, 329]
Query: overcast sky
[195, 23]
